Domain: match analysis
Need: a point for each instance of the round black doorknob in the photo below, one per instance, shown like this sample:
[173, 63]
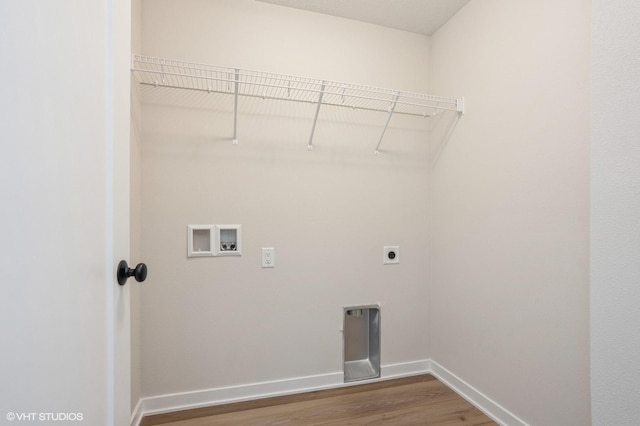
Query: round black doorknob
[124, 272]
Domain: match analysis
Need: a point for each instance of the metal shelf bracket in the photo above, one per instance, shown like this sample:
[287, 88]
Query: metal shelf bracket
[315, 118]
[392, 108]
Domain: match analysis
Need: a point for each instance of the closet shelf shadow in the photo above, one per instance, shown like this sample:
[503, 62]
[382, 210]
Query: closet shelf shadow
[236, 82]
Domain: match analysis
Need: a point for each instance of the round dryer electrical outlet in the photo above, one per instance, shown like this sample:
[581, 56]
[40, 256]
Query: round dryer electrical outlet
[391, 255]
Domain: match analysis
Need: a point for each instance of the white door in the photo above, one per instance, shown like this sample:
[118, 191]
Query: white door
[64, 113]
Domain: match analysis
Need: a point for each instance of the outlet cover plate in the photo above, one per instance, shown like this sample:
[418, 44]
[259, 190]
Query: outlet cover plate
[268, 257]
[391, 255]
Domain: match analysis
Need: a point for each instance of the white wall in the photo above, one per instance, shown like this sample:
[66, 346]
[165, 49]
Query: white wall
[615, 203]
[509, 207]
[217, 322]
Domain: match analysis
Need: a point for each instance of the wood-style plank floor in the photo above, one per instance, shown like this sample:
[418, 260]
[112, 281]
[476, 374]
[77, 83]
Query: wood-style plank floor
[418, 400]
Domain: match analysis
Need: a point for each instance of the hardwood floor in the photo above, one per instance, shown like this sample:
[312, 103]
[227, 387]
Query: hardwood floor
[418, 400]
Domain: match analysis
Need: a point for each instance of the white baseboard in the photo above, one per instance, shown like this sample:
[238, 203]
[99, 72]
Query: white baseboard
[217, 396]
[225, 395]
[482, 402]
[136, 415]
[405, 369]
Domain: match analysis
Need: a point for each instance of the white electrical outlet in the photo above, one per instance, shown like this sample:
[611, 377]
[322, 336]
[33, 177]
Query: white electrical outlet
[391, 255]
[268, 257]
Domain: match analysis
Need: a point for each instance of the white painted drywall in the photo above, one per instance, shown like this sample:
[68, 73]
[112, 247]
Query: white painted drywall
[509, 207]
[216, 322]
[615, 207]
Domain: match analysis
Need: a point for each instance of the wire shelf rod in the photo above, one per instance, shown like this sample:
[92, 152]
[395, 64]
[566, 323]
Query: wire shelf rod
[334, 88]
[359, 108]
[299, 89]
[192, 76]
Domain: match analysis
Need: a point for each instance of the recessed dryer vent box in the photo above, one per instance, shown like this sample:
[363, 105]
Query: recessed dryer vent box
[228, 240]
[361, 333]
[200, 240]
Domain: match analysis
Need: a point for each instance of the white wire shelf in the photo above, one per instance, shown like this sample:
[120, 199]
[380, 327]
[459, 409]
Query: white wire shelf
[236, 82]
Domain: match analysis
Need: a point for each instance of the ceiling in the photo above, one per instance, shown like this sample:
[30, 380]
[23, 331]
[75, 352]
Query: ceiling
[416, 16]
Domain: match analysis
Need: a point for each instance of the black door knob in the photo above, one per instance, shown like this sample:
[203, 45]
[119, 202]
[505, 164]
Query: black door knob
[124, 272]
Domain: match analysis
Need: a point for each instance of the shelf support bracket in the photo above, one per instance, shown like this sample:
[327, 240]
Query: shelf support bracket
[392, 108]
[460, 106]
[235, 107]
[315, 118]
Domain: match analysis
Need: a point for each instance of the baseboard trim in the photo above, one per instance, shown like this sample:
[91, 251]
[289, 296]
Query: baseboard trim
[225, 395]
[136, 415]
[209, 397]
[405, 369]
[482, 402]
